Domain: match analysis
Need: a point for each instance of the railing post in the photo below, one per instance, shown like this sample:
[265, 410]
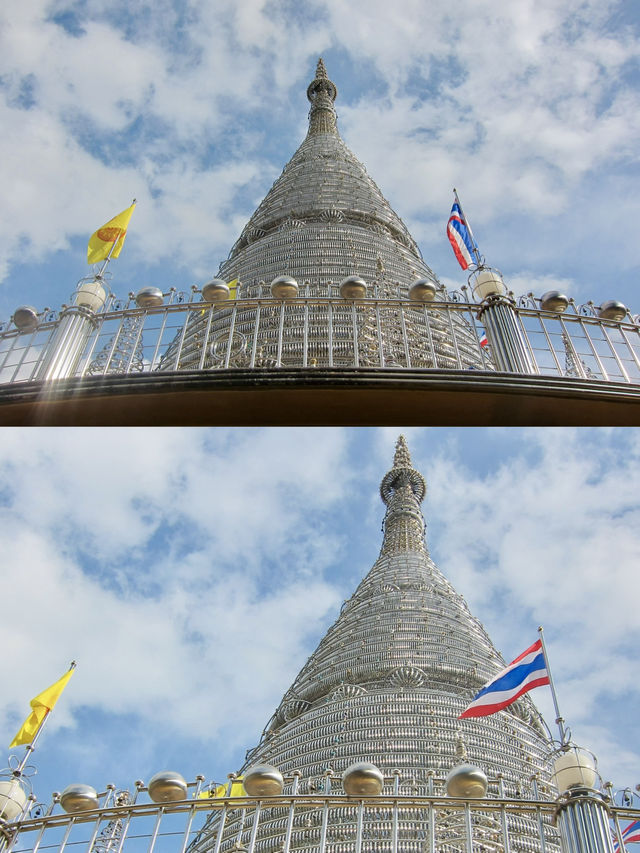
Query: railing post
[501, 322]
[583, 821]
[67, 344]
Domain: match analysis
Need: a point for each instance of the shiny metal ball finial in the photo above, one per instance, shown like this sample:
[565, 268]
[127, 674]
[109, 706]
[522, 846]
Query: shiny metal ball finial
[79, 798]
[149, 297]
[353, 287]
[554, 301]
[263, 780]
[25, 318]
[284, 287]
[362, 780]
[611, 310]
[467, 782]
[422, 290]
[215, 290]
[167, 787]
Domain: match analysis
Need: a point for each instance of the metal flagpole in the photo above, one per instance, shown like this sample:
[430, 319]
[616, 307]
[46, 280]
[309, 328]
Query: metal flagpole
[476, 251]
[559, 717]
[31, 746]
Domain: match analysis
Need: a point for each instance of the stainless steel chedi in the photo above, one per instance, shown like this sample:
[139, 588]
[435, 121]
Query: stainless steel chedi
[324, 229]
[385, 687]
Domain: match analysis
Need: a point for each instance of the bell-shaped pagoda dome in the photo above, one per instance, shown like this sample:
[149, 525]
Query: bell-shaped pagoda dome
[324, 218]
[386, 686]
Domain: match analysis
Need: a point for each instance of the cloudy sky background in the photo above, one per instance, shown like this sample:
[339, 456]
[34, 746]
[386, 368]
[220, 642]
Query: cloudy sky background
[532, 109]
[191, 572]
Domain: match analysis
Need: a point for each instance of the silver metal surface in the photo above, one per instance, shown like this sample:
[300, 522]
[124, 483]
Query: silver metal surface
[584, 823]
[423, 290]
[263, 780]
[613, 310]
[25, 318]
[362, 779]
[167, 787]
[508, 346]
[215, 290]
[385, 687]
[284, 287]
[553, 300]
[79, 798]
[353, 287]
[149, 297]
[62, 357]
[466, 781]
[384, 331]
[320, 822]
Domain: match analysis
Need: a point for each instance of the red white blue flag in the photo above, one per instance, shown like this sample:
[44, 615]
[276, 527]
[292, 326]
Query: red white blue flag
[630, 835]
[527, 671]
[459, 235]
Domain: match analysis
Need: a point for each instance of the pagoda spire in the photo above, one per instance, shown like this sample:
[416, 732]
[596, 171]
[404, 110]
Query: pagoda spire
[403, 490]
[322, 92]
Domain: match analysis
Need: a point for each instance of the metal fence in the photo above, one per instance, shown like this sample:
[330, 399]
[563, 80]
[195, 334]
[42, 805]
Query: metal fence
[311, 331]
[323, 823]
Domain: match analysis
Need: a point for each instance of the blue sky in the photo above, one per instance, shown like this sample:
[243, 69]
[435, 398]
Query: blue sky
[191, 572]
[531, 109]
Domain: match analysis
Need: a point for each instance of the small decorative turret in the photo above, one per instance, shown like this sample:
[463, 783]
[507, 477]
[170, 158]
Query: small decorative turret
[403, 490]
[322, 92]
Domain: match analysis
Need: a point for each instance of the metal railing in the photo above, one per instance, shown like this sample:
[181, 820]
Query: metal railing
[185, 333]
[397, 822]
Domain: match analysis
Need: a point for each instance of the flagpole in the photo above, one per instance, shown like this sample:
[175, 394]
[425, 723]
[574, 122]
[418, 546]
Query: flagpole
[559, 717]
[476, 251]
[31, 746]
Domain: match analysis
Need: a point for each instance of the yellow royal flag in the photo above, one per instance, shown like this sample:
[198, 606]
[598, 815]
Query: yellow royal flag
[233, 288]
[237, 790]
[41, 705]
[109, 240]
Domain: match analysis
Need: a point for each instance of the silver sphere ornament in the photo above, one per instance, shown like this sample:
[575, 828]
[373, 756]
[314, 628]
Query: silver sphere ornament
[149, 297]
[554, 301]
[167, 787]
[362, 780]
[79, 798]
[215, 290]
[263, 780]
[284, 287]
[422, 290]
[467, 782]
[611, 310]
[25, 318]
[353, 287]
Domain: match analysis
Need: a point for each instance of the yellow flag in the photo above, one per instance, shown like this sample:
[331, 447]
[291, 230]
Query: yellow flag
[41, 705]
[237, 790]
[110, 235]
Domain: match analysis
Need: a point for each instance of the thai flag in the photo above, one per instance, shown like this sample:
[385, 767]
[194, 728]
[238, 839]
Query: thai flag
[460, 237]
[630, 835]
[483, 340]
[527, 671]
